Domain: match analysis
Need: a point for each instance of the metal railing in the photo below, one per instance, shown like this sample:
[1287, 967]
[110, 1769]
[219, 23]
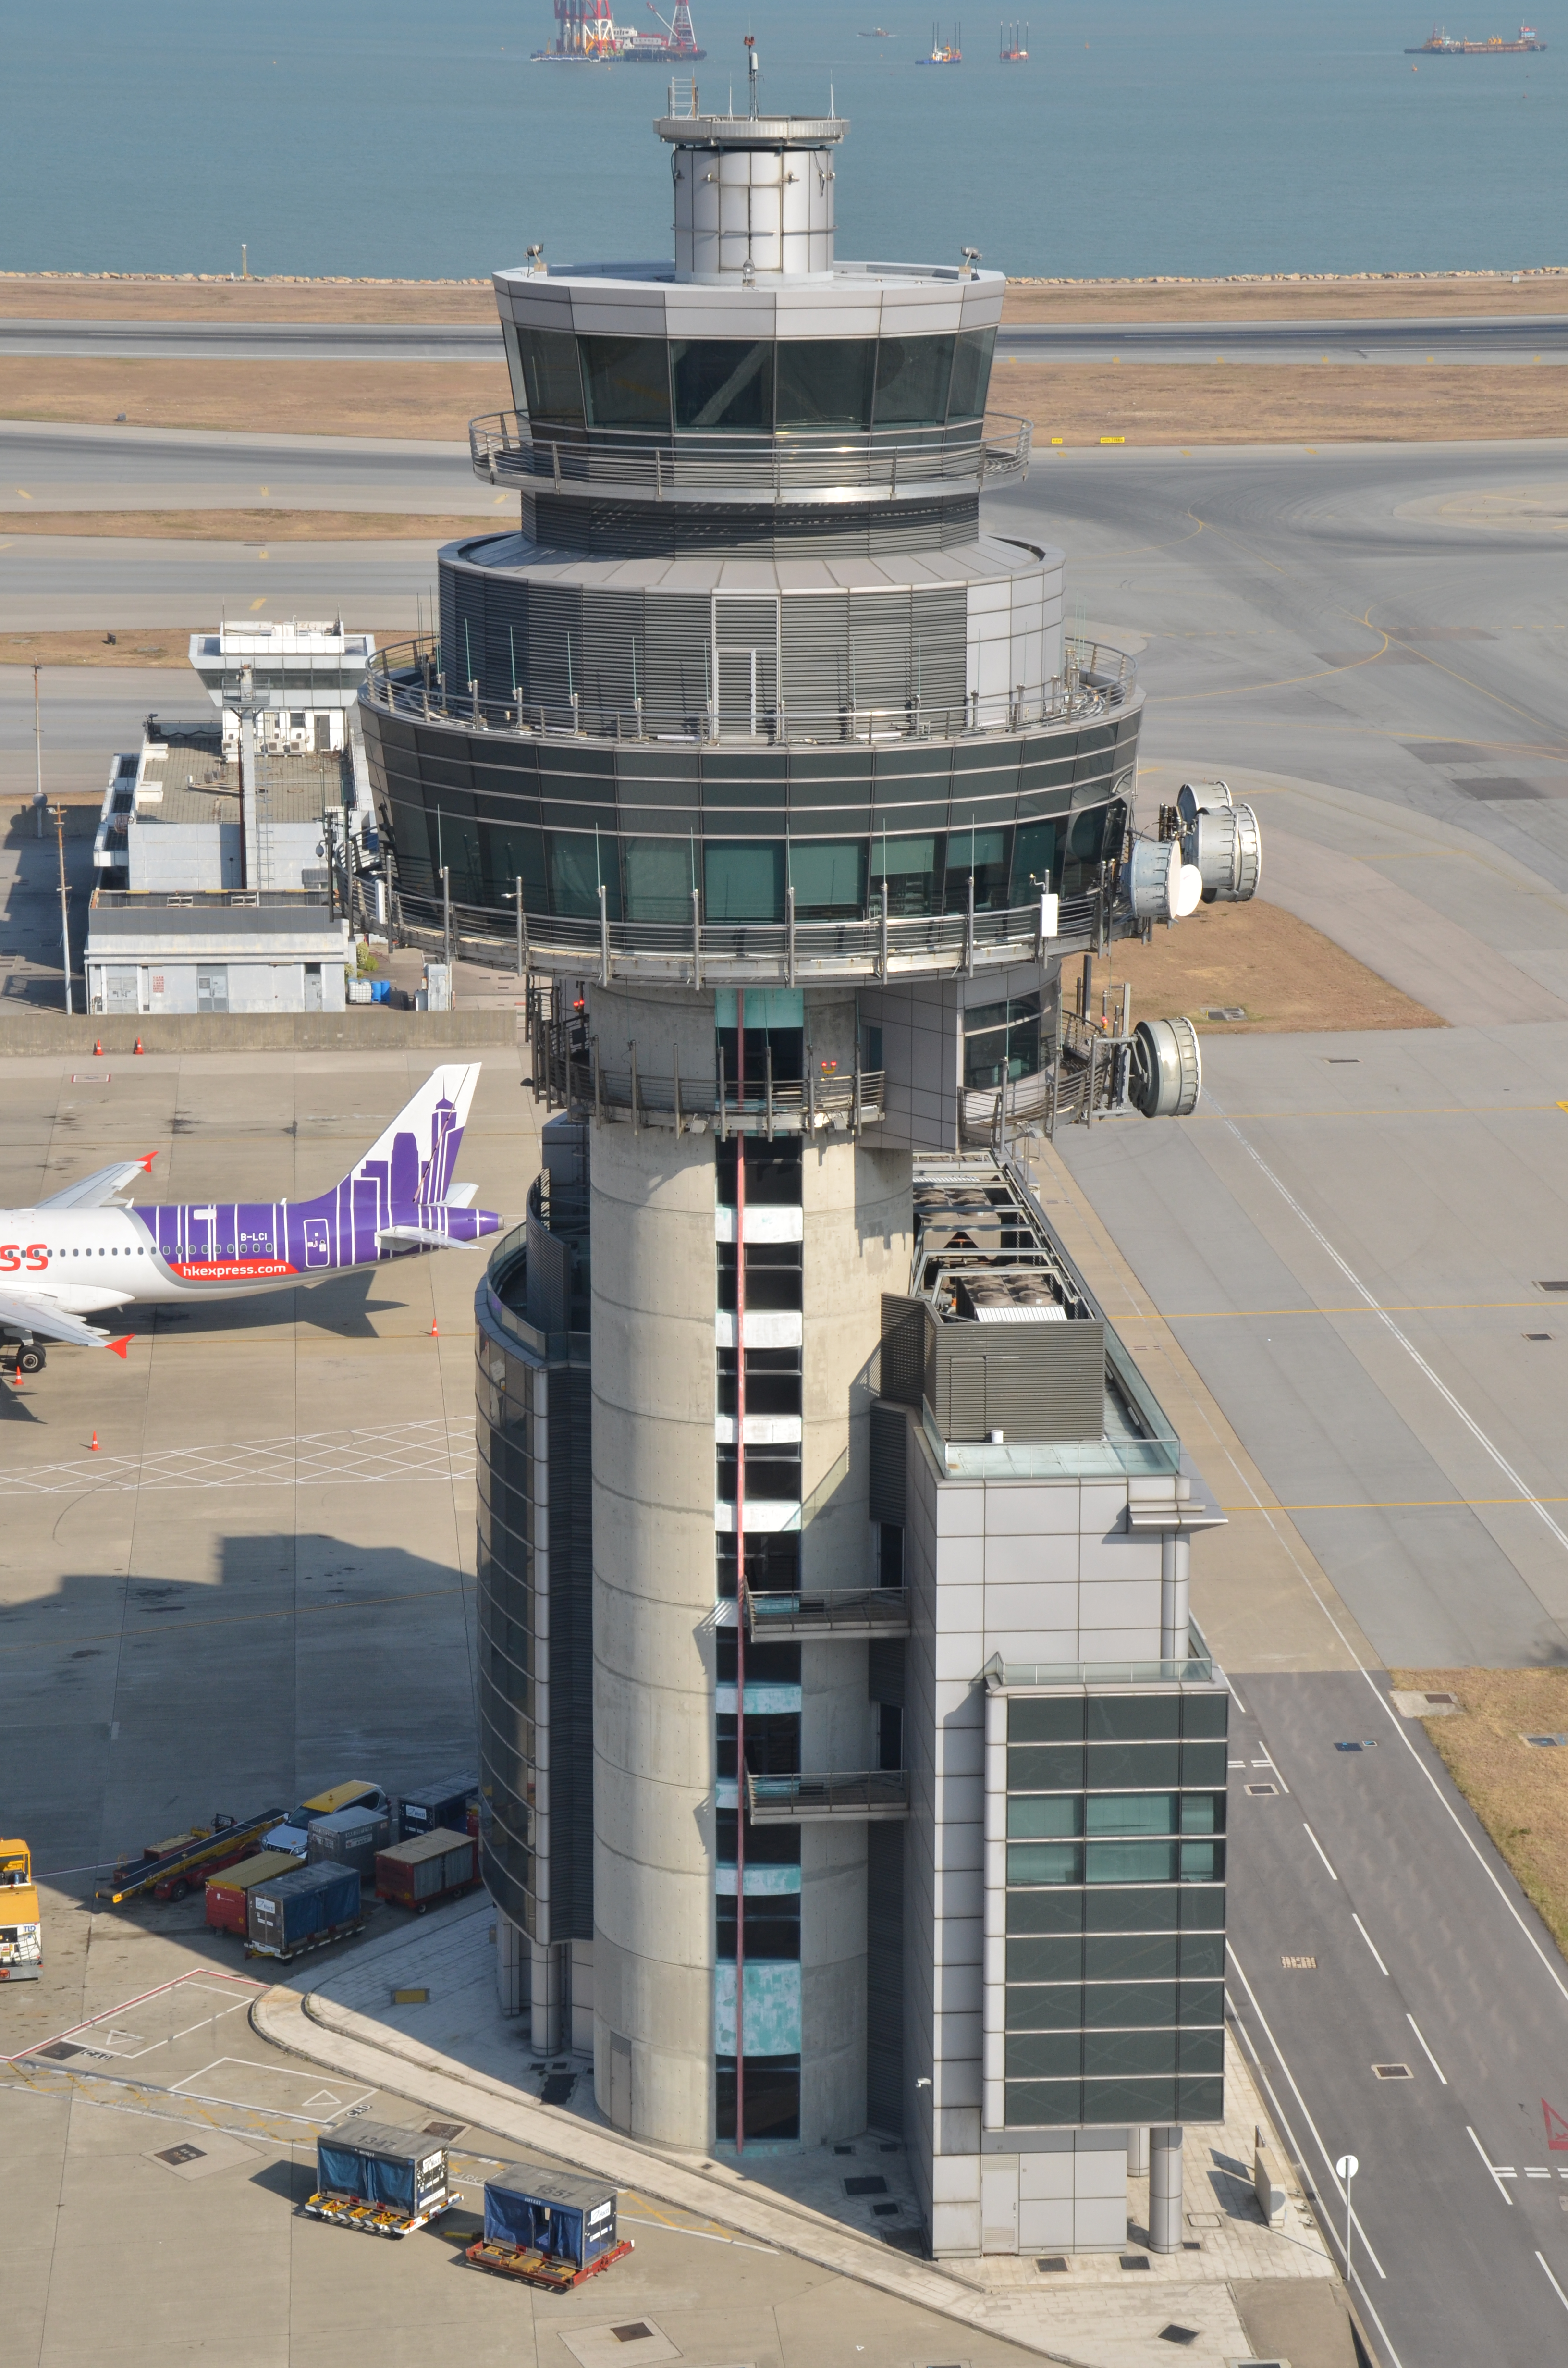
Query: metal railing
[885, 465]
[848, 1611]
[863, 1792]
[407, 679]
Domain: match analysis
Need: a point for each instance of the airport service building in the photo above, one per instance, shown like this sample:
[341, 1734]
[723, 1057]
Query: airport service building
[850, 1758]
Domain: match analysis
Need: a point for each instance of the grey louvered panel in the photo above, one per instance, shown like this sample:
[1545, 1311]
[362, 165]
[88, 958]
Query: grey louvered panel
[676, 652]
[884, 1977]
[939, 625]
[890, 1453]
[1027, 1381]
[903, 1349]
[885, 1670]
[879, 650]
[612, 668]
[816, 653]
[554, 647]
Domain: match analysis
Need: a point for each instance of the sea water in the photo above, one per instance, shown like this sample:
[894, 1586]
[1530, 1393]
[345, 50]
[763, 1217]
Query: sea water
[378, 137]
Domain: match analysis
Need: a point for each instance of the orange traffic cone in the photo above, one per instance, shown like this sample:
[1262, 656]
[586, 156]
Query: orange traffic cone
[98, 1046]
[94, 1446]
[435, 1329]
[137, 1047]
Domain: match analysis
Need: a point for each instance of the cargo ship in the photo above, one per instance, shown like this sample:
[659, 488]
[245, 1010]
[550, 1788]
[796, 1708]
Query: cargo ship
[1438, 44]
[944, 53]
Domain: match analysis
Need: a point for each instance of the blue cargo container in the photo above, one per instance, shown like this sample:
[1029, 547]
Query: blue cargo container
[567, 2219]
[437, 1804]
[395, 2176]
[290, 1912]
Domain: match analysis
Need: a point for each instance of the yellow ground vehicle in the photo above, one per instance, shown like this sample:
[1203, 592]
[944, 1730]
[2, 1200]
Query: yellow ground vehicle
[22, 1927]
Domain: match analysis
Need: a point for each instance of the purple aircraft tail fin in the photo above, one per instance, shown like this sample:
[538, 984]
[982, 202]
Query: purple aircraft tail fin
[416, 1159]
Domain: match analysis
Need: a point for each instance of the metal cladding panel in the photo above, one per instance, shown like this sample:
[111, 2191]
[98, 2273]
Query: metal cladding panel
[1050, 1386]
[890, 1460]
[903, 1349]
[885, 1658]
[571, 1650]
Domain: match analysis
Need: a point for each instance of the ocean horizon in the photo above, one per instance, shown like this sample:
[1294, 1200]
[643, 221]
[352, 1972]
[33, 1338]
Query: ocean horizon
[1139, 139]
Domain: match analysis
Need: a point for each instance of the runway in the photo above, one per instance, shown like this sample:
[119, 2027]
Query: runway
[65, 583]
[62, 468]
[1485, 339]
[1542, 339]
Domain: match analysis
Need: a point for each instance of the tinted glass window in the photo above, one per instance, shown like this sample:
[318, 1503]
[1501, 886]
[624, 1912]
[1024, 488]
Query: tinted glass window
[744, 882]
[721, 384]
[550, 374]
[972, 374]
[627, 382]
[1034, 860]
[1040, 1814]
[1045, 1720]
[829, 880]
[577, 865]
[659, 880]
[912, 382]
[909, 868]
[826, 383]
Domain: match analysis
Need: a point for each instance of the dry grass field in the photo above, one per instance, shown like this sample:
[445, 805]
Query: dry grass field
[259, 526]
[1518, 1790]
[1258, 959]
[1185, 404]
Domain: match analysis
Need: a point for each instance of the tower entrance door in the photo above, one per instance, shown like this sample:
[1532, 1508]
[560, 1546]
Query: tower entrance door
[745, 665]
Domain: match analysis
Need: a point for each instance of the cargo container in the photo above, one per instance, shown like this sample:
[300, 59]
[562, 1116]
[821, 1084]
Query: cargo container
[379, 2178]
[445, 1804]
[417, 1874]
[547, 2228]
[303, 1910]
[349, 1837]
[228, 1895]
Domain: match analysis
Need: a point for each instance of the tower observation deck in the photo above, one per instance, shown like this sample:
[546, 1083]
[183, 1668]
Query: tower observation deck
[809, 797]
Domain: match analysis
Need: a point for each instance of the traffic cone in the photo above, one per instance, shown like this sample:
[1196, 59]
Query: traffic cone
[137, 1047]
[94, 1448]
[97, 1047]
[435, 1329]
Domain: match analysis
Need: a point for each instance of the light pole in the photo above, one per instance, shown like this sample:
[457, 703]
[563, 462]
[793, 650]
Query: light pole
[1345, 2169]
[38, 755]
[64, 920]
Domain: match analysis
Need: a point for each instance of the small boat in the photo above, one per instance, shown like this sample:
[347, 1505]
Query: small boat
[944, 53]
[877, 33]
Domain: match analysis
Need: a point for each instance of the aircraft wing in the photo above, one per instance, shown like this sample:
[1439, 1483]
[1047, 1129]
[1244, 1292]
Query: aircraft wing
[422, 1234]
[24, 1314]
[93, 1190]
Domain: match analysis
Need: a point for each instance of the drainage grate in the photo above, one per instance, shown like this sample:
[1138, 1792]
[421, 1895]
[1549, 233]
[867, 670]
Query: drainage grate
[1263, 1792]
[1135, 2261]
[1300, 1965]
[1544, 1742]
[1054, 2264]
[1392, 2071]
[1538, 1336]
[59, 2050]
[843, 2149]
[1174, 2334]
[175, 2155]
[444, 2131]
[1553, 1286]
[886, 2211]
[1368, 1743]
[1226, 1012]
[873, 2184]
[1439, 1700]
[638, 2332]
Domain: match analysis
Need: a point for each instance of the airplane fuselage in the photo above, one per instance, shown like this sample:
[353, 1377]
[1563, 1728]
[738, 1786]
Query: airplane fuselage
[90, 1259]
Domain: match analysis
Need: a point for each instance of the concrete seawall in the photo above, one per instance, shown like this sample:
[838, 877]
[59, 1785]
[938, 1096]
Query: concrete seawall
[358, 1030]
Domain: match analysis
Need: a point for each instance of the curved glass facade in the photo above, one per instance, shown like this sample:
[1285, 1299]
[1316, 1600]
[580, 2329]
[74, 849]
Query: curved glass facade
[741, 826]
[750, 386]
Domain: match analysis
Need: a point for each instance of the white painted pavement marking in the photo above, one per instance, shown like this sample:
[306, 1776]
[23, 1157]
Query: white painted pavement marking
[1516, 1479]
[240, 2080]
[411, 1451]
[1372, 1945]
[1317, 1846]
[1426, 2051]
[238, 1981]
[1556, 2289]
[1280, 2053]
[1498, 2176]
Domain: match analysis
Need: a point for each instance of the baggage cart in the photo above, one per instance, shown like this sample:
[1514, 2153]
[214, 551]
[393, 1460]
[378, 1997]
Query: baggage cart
[445, 1804]
[379, 2178]
[228, 1893]
[418, 1873]
[546, 2228]
[303, 1909]
[349, 1837]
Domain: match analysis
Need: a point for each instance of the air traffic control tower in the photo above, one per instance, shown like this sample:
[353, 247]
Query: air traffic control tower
[849, 1760]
